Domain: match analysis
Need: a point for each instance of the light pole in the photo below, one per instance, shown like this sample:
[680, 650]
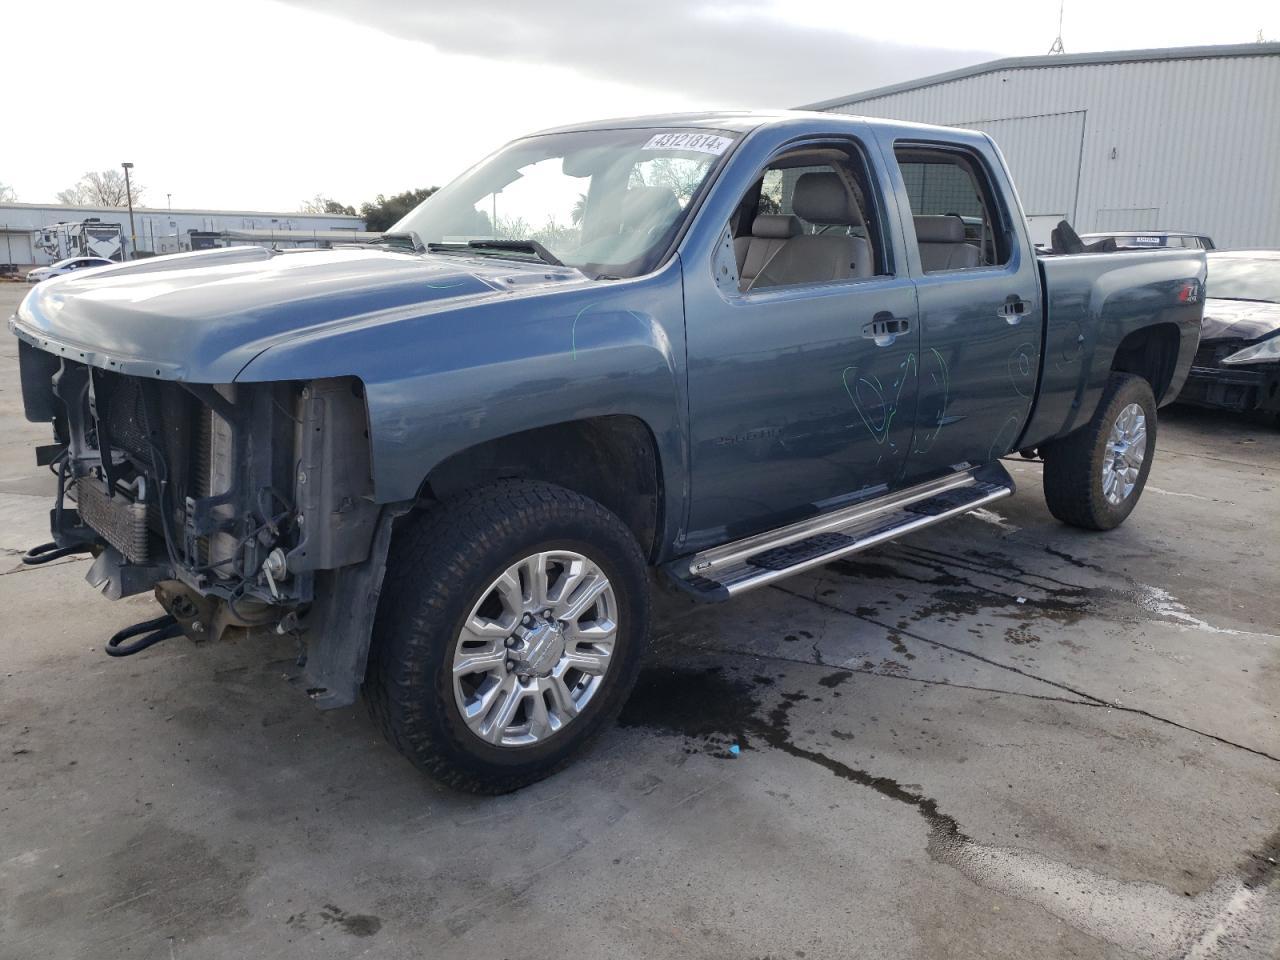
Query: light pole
[128, 192]
[169, 197]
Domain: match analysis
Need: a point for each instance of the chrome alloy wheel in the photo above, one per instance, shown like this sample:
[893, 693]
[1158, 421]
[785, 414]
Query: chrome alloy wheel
[535, 649]
[1126, 448]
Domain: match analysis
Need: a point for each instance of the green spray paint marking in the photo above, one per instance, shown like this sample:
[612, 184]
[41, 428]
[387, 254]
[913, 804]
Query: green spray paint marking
[573, 329]
[1020, 369]
[945, 384]
[908, 367]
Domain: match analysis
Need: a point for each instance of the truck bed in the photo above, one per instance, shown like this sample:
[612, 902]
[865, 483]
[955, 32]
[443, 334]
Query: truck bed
[1093, 303]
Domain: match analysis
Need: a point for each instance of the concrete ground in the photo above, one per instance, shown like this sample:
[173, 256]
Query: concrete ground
[1001, 738]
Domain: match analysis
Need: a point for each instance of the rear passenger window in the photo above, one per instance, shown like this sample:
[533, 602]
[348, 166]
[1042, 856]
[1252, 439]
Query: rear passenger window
[957, 223]
[810, 218]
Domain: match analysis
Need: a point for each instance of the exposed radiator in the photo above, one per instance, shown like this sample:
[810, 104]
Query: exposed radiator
[122, 523]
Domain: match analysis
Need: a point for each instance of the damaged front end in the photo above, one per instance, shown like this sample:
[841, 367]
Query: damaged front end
[242, 506]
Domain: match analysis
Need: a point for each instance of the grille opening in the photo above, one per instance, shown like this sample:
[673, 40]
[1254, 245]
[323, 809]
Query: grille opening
[155, 429]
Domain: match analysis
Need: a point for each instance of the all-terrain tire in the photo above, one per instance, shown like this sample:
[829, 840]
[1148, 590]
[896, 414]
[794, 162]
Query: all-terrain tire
[1073, 466]
[441, 563]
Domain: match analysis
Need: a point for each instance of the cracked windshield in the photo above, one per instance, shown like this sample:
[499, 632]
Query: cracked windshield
[606, 201]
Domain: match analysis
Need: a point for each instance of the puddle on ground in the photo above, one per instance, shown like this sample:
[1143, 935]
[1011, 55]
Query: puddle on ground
[355, 924]
[1018, 594]
[1030, 597]
[712, 709]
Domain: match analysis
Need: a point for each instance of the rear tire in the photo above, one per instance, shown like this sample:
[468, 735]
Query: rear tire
[451, 595]
[1094, 477]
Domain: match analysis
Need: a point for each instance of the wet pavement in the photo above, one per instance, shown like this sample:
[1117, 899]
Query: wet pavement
[999, 738]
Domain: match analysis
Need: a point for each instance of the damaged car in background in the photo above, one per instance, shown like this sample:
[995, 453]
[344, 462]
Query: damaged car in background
[455, 462]
[1237, 366]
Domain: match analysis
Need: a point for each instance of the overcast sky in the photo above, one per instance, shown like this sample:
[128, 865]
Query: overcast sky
[255, 104]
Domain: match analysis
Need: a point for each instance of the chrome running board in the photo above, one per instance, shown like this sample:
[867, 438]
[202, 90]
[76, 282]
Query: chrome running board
[726, 571]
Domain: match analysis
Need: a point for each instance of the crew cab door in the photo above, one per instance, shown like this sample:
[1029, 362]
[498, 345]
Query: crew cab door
[801, 347]
[979, 297]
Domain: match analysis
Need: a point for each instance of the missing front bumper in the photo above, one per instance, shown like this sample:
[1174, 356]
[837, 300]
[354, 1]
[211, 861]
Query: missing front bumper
[1240, 389]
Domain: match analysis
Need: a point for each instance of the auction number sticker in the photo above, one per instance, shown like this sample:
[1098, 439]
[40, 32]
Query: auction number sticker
[698, 142]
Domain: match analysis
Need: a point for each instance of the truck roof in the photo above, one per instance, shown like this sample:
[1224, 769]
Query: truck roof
[744, 121]
[737, 120]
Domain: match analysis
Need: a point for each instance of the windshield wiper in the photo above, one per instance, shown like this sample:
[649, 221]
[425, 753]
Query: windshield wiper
[515, 246]
[407, 239]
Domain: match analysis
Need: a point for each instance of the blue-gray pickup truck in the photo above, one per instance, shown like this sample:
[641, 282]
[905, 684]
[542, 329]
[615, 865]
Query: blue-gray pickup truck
[719, 348]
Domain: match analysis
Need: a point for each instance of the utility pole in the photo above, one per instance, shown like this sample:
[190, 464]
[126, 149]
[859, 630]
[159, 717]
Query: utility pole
[128, 192]
[1057, 41]
[169, 197]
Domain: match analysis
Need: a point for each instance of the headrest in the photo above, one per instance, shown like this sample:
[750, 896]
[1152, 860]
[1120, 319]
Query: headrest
[649, 206]
[822, 198]
[776, 226]
[945, 229]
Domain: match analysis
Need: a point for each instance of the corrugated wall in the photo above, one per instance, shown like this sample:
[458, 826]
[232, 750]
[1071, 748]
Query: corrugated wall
[160, 228]
[1197, 141]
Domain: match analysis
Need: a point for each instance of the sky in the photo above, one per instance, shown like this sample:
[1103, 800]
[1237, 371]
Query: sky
[262, 104]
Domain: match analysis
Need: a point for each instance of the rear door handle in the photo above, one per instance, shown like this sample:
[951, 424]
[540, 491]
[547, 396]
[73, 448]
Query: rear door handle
[1014, 309]
[884, 328]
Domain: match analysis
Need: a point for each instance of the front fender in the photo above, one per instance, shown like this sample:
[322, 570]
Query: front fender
[438, 384]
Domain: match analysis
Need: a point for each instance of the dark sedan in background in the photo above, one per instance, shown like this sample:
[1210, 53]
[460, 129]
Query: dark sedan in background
[1238, 364]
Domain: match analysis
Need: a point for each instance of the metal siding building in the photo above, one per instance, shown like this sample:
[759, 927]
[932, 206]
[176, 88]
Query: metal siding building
[158, 231]
[1177, 139]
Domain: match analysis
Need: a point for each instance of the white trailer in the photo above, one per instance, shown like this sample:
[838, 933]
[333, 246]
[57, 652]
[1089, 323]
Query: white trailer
[81, 238]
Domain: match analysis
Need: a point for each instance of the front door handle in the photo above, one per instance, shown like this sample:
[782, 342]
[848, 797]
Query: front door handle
[1014, 309]
[884, 328]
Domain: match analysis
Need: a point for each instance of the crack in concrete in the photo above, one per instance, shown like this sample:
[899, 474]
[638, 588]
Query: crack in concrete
[932, 558]
[1101, 701]
[850, 671]
[1146, 919]
[26, 568]
[1205, 456]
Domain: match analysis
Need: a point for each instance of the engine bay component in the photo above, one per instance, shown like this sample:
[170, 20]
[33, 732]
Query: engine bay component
[148, 632]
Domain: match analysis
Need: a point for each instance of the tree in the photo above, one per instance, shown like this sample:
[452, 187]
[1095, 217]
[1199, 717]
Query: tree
[383, 212]
[104, 188]
[681, 174]
[6, 194]
[322, 204]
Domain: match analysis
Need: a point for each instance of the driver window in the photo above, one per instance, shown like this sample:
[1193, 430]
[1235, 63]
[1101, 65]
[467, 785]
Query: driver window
[808, 219]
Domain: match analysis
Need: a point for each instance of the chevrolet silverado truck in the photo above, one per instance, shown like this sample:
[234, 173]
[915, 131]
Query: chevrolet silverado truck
[701, 351]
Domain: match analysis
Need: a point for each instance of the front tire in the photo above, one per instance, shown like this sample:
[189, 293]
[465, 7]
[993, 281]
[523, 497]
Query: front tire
[509, 634]
[1094, 477]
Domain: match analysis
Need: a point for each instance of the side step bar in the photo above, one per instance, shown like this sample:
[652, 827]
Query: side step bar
[734, 568]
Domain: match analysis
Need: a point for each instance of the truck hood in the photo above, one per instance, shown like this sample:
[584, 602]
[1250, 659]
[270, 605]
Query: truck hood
[1239, 320]
[203, 316]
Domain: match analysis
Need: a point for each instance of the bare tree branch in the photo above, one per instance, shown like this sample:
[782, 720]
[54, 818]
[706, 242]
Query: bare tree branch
[105, 188]
[322, 204]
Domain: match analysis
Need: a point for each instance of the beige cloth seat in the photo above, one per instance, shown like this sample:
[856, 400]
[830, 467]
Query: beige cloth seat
[942, 244]
[823, 200]
[769, 232]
